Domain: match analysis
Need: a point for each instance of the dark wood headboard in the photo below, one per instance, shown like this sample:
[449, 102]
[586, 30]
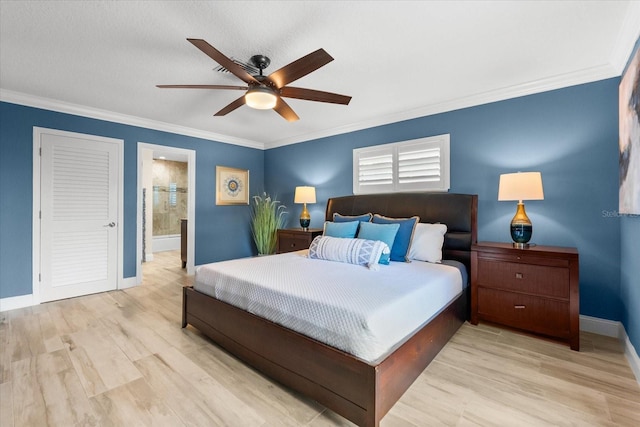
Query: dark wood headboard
[458, 211]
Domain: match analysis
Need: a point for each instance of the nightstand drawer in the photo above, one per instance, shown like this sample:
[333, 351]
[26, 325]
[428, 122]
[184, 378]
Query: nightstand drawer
[290, 243]
[296, 239]
[529, 278]
[541, 315]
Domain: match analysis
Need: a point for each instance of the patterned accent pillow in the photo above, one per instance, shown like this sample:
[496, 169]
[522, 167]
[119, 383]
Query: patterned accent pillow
[352, 251]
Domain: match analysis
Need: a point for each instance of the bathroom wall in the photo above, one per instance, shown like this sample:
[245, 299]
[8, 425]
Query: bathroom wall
[147, 185]
[169, 198]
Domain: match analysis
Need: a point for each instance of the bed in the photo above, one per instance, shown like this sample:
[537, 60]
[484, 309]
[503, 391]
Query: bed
[361, 391]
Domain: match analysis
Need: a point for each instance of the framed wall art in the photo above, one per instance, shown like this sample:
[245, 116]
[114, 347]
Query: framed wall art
[232, 186]
[630, 138]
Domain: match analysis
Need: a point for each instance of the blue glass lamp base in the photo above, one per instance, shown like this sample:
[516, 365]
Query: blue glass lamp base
[304, 223]
[521, 228]
[521, 234]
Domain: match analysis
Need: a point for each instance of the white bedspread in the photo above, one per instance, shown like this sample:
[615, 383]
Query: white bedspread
[357, 310]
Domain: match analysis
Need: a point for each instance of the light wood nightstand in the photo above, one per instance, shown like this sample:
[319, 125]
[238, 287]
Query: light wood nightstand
[296, 239]
[534, 289]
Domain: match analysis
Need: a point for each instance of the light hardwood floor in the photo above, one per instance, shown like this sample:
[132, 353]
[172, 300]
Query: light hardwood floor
[121, 358]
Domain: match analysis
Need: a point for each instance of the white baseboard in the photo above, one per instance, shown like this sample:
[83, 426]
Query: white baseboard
[613, 329]
[595, 325]
[13, 303]
[128, 282]
[22, 301]
[632, 357]
[166, 243]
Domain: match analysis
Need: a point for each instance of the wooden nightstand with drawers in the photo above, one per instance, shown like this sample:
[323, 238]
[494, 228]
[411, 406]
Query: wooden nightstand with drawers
[296, 239]
[534, 289]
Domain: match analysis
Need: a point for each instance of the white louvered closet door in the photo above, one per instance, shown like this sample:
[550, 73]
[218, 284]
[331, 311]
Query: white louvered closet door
[79, 203]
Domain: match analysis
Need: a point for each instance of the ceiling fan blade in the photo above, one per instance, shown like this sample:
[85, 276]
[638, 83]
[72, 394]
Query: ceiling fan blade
[221, 59]
[299, 68]
[229, 108]
[285, 111]
[202, 87]
[314, 95]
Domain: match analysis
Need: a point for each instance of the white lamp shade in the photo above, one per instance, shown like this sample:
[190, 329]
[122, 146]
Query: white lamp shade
[521, 186]
[260, 98]
[305, 195]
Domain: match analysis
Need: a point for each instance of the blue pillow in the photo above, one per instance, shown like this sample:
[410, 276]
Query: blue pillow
[403, 238]
[346, 218]
[384, 232]
[341, 229]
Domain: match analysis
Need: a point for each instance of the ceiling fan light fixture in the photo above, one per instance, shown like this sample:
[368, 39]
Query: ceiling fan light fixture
[267, 92]
[261, 98]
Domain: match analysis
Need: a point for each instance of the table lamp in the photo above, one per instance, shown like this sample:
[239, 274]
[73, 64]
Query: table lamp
[305, 195]
[521, 186]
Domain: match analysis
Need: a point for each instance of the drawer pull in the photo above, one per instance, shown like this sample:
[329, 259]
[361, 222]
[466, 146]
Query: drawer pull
[519, 307]
[519, 276]
[293, 245]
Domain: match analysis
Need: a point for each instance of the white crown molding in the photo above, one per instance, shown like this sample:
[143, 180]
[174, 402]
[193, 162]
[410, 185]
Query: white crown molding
[555, 82]
[627, 37]
[95, 113]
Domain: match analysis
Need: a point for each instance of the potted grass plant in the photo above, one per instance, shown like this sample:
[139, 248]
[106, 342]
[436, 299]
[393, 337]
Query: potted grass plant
[267, 215]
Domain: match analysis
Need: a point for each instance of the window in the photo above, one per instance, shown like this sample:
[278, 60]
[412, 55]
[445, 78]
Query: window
[415, 165]
[173, 196]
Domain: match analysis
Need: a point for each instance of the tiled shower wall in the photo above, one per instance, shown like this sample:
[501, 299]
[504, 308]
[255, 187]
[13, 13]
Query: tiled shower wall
[169, 196]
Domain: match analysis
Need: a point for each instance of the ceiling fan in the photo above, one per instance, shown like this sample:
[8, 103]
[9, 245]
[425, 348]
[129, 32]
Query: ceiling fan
[266, 92]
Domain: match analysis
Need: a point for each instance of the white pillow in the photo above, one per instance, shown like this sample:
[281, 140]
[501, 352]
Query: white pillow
[427, 242]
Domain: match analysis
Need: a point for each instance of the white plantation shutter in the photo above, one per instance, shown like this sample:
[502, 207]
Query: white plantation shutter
[375, 170]
[415, 165]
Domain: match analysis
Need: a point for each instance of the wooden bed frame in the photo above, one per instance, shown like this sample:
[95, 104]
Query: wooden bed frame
[353, 388]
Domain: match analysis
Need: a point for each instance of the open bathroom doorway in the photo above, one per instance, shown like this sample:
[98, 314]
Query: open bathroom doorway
[166, 206]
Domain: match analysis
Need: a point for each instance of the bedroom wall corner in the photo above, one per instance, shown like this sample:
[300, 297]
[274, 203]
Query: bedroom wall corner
[630, 267]
[613, 329]
[214, 224]
[632, 356]
[570, 135]
[630, 277]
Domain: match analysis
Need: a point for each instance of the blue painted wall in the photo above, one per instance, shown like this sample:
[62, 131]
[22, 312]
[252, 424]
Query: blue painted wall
[570, 135]
[630, 278]
[222, 232]
[630, 269]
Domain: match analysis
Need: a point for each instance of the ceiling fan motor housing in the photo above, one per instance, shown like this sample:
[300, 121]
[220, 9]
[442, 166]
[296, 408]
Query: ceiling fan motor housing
[260, 61]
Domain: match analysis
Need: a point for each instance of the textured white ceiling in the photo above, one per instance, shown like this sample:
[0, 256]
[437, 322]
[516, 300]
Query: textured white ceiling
[397, 60]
